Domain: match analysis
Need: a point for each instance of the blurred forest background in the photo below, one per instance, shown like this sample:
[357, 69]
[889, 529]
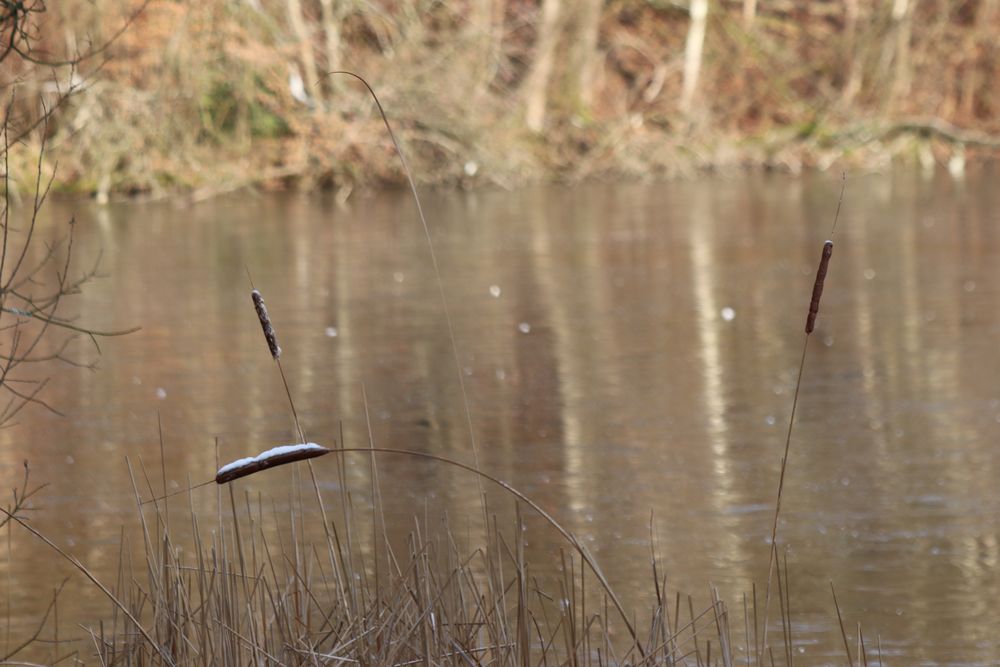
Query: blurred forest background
[207, 97]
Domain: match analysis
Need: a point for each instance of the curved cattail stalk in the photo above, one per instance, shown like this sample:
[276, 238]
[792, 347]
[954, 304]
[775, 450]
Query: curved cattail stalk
[288, 453]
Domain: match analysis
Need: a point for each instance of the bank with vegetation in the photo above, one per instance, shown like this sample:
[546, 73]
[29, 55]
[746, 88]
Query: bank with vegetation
[205, 98]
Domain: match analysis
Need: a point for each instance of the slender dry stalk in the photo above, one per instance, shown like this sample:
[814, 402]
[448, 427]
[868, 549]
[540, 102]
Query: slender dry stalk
[843, 631]
[788, 613]
[746, 627]
[76, 563]
[437, 272]
[817, 293]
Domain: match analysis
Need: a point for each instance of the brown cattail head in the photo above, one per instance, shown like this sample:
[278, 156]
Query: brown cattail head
[265, 324]
[824, 264]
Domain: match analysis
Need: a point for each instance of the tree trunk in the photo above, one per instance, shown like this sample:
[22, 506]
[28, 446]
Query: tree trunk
[852, 84]
[331, 30]
[902, 77]
[585, 61]
[749, 13]
[693, 53]
[537, 85]
[980, 45]
[305, 50]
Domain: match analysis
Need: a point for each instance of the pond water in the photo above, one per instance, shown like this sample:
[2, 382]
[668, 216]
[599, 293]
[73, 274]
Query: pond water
[629, 354]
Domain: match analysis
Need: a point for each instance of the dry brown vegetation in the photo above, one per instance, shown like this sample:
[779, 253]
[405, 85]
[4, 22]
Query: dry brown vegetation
[209, 97]
[248, 585]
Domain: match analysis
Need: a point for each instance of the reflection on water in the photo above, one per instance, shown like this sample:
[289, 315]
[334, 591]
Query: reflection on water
[626, 350]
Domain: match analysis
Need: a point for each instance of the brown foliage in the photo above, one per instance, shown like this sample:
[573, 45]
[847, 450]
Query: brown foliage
[212, 96]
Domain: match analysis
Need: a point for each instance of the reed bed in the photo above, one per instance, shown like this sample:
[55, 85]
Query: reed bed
[233, 593]
[250, 584]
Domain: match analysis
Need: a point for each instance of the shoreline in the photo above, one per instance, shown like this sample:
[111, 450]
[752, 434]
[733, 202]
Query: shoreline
[927, 146]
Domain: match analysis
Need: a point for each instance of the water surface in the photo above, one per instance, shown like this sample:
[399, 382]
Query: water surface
[628, 351]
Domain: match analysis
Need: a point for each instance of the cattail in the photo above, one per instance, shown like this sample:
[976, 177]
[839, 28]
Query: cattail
[824, 263]
[273, 457]
[265, 324]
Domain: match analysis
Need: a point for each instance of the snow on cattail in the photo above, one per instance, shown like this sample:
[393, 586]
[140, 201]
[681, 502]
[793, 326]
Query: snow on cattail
[265, 323]
[824, 263]
[275, 456]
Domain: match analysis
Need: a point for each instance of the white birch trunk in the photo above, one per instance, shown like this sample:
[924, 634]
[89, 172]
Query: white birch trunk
[331, 30]
[852, 86]
[693, 49]
[586, 60]
[972, 82]
[903, 26]
[305, 50]
[537, 85]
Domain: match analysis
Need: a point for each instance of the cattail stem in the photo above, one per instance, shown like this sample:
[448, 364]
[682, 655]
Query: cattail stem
[817, 294]
[291, 403]
[781, 487]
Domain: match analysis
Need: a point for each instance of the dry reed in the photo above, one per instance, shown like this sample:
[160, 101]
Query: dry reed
[814, 300]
